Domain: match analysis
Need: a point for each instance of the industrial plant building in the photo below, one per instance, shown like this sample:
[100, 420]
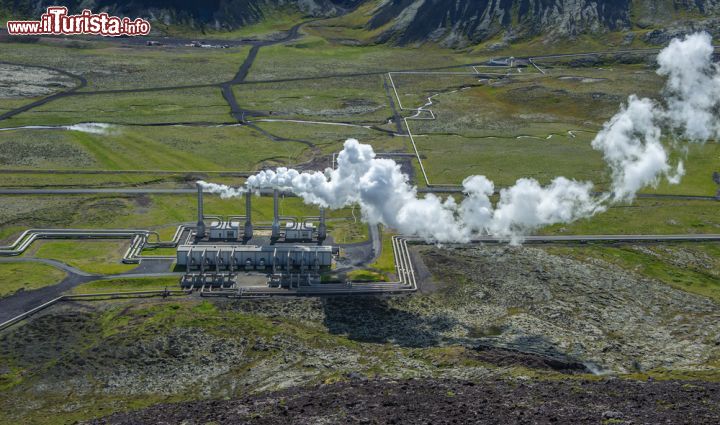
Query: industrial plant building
[292, 255]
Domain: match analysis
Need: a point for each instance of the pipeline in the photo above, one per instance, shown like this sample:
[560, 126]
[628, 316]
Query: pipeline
[139, 240]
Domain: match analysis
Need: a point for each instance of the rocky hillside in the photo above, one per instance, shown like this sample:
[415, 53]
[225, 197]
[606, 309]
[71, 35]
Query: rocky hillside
[452, 23]
[463, 22]
[216, 14]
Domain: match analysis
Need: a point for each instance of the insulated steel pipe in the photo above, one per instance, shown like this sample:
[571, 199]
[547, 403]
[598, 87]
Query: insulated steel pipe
[200, 233]
[248, 217]
[322, 227]
[276, 217]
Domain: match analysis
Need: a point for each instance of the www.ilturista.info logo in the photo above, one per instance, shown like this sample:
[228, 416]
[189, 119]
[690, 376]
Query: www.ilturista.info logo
[56, 21]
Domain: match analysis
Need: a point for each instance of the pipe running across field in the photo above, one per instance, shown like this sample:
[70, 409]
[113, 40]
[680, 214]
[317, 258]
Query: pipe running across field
[133, 255]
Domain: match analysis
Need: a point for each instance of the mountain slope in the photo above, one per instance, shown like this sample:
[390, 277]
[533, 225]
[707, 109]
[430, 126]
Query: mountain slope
[461, 22]
[227, 14]
[453, 23]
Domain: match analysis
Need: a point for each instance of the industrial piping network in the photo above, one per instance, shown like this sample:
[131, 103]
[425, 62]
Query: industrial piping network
[406, 283]
[131, 256]
[403, 265]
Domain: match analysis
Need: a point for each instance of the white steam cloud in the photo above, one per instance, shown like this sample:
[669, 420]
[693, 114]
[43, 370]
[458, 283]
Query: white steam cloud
[92, 128]
[224, 191]
[632, 143]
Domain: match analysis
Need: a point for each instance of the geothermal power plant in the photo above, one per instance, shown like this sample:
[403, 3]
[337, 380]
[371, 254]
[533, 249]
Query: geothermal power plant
[291, 255]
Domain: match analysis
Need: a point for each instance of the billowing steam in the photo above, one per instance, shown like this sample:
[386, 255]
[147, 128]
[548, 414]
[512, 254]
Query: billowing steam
[92, 128]
[632, 140]
[632, 143]
[224, 191]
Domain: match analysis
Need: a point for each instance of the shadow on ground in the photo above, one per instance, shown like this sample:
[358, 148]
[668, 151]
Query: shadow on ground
[373, 319]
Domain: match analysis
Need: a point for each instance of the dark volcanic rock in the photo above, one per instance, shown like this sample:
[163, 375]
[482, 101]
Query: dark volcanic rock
[445, 402]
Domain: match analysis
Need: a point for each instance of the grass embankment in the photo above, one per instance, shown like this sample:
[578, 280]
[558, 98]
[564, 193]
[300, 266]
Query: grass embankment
[92, 256]
[27, 276]
[385, 263]
[159, 252]
[384, 266]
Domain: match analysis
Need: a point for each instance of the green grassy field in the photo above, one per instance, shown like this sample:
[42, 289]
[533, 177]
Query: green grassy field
[313, 56]
[111, 66]
[204, 105]
[646, 216]
[330, 138]
[102, 257]
[182, 149]
[357, 99]
[385, 263]
[60, 180]
[8, 104]
[26, 277]
[450, 159]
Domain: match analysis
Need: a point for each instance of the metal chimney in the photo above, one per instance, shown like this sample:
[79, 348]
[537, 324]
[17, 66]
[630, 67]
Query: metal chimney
[200, 230]
[276, 217]
[322, 228]
[248, 216]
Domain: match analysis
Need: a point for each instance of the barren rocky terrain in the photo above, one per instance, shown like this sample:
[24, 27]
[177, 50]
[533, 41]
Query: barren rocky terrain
[606, 316]
[523, 329]
[22, 81]
[449, 402]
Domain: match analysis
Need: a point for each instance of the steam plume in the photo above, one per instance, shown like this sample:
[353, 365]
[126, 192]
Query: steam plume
[224, 191]
[632, 143]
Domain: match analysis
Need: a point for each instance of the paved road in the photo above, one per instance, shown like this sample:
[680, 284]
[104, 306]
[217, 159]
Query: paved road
[240, 114]
[23, 301]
